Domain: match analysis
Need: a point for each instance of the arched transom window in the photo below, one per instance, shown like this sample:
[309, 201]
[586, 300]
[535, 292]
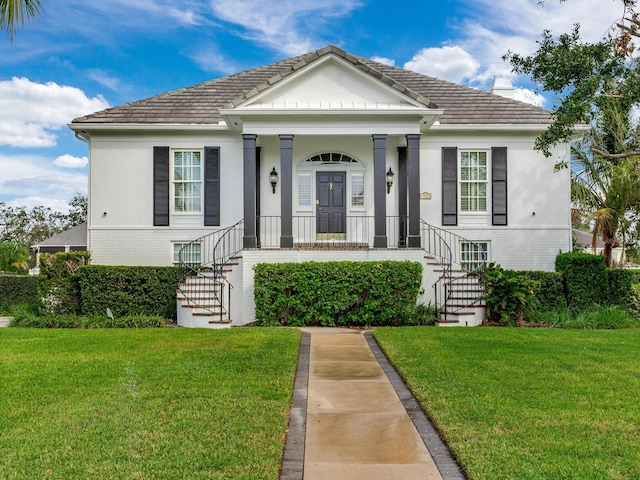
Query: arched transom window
[330, 158]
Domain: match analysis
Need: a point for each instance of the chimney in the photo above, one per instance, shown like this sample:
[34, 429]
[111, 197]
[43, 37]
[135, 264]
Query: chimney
[501, 86]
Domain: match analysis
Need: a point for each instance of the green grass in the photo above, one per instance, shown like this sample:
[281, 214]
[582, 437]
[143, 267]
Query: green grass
[144, 404]
[518, 403]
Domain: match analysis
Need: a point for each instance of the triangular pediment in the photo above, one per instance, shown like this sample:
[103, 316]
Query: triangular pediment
[331, 83]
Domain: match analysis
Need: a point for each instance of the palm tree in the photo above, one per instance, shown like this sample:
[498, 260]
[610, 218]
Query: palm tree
[14, 258]
[607, 194]
[14, 13]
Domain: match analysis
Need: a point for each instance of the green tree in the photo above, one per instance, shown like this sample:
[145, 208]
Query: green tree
[13, 258]
[14, 13]
[586, 76]
[77, 210]
[607, 194]
[599, 89]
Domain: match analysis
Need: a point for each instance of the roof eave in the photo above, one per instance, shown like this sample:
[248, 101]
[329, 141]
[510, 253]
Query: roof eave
[149, 127]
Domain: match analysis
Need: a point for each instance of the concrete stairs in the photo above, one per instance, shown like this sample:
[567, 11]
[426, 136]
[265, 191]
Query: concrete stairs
[202, 300]
[463, 307]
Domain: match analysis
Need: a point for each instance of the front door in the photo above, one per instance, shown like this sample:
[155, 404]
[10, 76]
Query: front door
[331, 208]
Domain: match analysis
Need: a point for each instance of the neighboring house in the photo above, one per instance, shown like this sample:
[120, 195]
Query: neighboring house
[72, 239]
[585, 241]
[323, 156]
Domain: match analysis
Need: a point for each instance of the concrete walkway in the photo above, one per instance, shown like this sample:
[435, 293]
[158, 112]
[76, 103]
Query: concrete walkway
[349, 421]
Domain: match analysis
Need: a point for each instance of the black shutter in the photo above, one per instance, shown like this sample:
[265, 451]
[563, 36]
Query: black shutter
[499, 185]
[161, 186]
[449, 186]
[212, 186]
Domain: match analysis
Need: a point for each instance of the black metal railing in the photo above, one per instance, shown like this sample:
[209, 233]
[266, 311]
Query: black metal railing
[338, 231]
[201, 274]
[203, 260]
[457, 285]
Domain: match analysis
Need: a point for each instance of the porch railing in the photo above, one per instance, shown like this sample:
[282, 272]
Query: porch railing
[204, 258]
[202, 261]
[338, 231]
[458, 274]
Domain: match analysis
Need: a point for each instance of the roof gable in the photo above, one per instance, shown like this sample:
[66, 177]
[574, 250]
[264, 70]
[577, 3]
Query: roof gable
[332, 83]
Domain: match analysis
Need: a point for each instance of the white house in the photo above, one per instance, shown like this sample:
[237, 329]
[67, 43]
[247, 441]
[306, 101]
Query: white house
[323, 156]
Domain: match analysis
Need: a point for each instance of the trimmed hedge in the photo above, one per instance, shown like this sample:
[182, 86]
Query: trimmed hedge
[18, 289]
[585, 277]
[128, 290]
[336, 293]
[549, 292]
[620, 283]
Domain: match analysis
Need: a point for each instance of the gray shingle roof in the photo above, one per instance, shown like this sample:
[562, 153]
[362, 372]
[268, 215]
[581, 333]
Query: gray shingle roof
[73, 237]
[201, 103]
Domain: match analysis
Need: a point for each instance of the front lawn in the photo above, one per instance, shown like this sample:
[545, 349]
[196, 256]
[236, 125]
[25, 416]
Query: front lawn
[153, 403]
[528, 403]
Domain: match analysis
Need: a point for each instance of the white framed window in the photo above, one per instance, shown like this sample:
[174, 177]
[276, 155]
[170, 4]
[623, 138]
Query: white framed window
[357, 190]
[304, 191]
[472, 254]
[473, 181]
[191, 254]
[187, 181]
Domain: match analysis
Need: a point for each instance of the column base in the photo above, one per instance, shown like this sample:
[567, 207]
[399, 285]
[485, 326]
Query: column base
[414, 241]
[286, 242]
[249, 242]
[380, 241]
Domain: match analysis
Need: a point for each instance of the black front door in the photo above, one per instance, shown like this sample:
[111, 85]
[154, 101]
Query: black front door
[331, 206]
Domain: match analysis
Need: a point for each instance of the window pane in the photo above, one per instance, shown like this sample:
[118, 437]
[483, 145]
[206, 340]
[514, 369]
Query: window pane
[473, 181]
[187, 178]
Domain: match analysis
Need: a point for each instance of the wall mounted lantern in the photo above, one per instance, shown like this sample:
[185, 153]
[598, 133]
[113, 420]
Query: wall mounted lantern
[273, 179]
[390, 178]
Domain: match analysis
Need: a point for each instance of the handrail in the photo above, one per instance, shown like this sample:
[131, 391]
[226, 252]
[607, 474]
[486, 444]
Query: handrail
[217, 248]
[438, 243]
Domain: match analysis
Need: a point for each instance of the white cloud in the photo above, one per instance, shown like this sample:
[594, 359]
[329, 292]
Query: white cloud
[494, 27]
[30, 112]
[280, 24]
[385, 61]
[449, 63]
[528, 96]
[103, 78]
[209, 59]
[69, 161]
[32, 180]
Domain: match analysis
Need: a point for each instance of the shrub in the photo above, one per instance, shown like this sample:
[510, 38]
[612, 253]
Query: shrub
[336, 293]
[507, 294]
[26, 320]
[597, 318]
[18, 289]
[128, 290]
[634, 302]
[550, 290]
[620, 283]
[423, 315]
[60, 289]
[585, 277]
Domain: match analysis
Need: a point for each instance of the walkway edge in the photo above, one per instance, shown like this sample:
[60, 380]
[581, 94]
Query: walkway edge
[447, 465]
[293, 456]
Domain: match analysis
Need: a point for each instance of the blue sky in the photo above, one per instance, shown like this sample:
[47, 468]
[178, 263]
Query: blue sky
[82, 56]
